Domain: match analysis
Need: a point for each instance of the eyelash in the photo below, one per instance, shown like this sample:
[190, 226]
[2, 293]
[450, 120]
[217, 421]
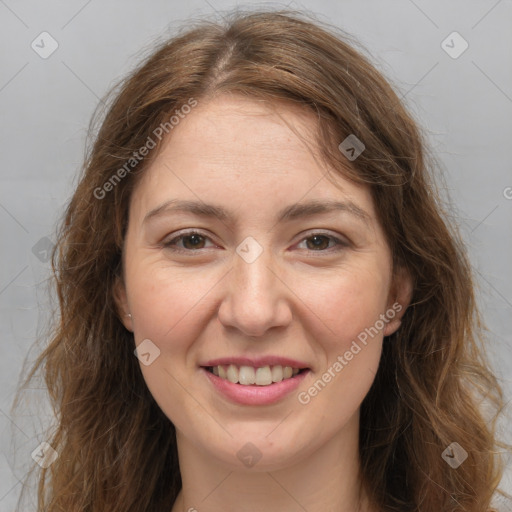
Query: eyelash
[169, 245]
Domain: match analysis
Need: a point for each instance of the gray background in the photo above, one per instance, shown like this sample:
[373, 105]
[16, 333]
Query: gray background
[464, 104]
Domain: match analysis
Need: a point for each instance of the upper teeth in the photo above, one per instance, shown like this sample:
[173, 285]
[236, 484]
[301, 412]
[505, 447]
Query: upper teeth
[249, 375]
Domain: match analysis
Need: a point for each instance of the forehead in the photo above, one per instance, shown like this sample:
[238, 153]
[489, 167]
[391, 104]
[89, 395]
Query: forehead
[242, 151]
[233, 130]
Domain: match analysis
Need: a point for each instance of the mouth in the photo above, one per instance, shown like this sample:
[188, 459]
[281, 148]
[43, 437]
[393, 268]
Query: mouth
[249, 375]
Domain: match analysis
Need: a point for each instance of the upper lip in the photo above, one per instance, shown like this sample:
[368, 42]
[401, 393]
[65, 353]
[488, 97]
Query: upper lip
[256, 362]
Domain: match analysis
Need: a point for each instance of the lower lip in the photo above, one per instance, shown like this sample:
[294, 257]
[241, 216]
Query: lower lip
[253, 394]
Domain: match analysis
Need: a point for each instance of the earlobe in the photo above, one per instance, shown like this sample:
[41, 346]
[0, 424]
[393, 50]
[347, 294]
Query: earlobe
[399, 299]
[121, 301]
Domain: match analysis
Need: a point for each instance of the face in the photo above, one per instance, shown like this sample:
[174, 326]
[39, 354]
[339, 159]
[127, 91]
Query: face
[265, 283]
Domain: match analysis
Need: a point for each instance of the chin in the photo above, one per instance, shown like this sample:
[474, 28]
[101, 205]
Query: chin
[249, 449]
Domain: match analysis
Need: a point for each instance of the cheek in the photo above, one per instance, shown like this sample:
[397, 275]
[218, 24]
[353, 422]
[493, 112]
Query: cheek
[168, 308]
[349, 305]
[350, 351]
[162, 300]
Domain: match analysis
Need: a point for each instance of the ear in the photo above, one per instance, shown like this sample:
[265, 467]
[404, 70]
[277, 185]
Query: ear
[400, 296]
[121, 301]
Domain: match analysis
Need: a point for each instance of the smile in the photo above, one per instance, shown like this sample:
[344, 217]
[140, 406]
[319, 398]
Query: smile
[249, 375]
[244, 391]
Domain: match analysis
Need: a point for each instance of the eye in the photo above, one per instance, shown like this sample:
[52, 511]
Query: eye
[191, 240]
[195, 240]
[320, 242]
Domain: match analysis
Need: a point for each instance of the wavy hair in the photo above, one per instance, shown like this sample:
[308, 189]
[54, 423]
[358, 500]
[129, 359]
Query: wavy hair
[433, 377]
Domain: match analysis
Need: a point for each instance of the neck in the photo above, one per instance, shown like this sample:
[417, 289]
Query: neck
[327, 479]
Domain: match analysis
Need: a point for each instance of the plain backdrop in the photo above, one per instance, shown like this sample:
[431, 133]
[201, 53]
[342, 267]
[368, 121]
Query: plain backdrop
[461, 96]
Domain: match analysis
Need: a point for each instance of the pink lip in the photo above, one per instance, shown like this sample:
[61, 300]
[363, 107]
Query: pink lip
[256, 362]
[253, 394]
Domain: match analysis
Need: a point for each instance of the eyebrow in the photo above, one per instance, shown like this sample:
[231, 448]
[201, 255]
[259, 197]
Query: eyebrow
[289, 213]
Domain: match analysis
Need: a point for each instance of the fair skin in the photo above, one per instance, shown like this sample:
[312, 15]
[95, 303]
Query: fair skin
[303, 297]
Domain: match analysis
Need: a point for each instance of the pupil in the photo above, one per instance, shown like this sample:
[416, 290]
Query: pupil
[317, 240]
[194, 240]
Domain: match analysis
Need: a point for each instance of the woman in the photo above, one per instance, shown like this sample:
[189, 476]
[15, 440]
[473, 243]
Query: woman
[262, 307]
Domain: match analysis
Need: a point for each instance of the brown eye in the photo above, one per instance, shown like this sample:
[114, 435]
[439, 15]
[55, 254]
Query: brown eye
[194, 241]
[319, 242]
[190, 241]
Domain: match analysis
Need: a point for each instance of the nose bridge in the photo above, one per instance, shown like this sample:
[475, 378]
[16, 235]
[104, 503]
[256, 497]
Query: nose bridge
[253, 272]
[255, 298]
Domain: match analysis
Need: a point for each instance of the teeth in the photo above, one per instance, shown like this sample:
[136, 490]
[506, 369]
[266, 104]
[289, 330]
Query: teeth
[263, 376]
[232, 373]
[247, 375]
[277, 373]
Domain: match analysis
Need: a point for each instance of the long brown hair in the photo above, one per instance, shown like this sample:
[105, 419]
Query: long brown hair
[433, 374]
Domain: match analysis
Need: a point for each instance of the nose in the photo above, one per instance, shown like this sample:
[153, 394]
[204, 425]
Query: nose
[257, 297]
